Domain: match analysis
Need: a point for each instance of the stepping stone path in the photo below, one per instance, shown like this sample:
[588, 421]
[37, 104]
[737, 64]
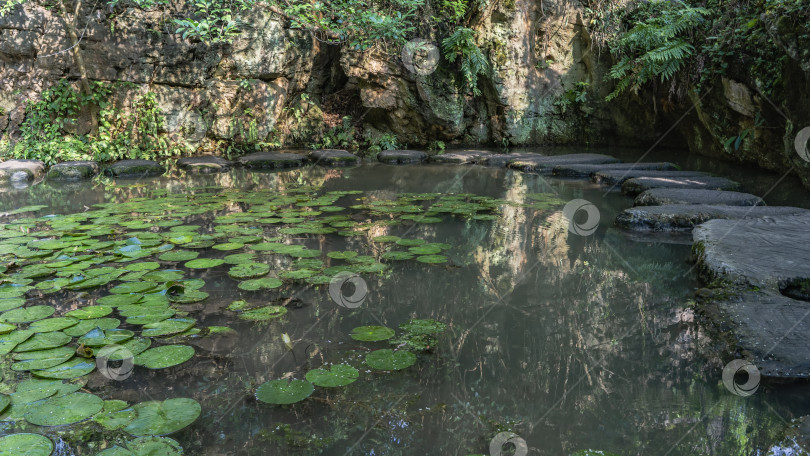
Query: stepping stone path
[204, 164]
[461, 157]
[272, 160]
[501, 159]
[662, 196]
[614, 177]
[333, 157]
[73, 170]
[588, 170]
[684, 217]
[762, 263]
[401, 157]
[633, 187]
[21, 170]
[546, 163]
[135, 168]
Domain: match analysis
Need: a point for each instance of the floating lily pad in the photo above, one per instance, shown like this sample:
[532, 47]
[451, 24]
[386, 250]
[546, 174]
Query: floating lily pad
[74, 368]
[27, 314]
[142, 266]
[386, 239]
[249, 270]
[387, 359]
[204, 263]
[425, 249]
[259, 284]
[4, 402]
[342, 255]
[42, 359]
[410, 242]
[86, 313]
[115, 419]
[179, 255]
[43, 341]
[337, 375]
[68, 409]
[227, 246]
[164, 356]
[133, 287]
[53, 324]
[125, 350]
[240, 258]
[263, 313]
[417, 327]
[189, 296]
[146, 446]
[98, 337]
[25, 444]
[84, 326]
[432, 259]
[282, 391]
[372, 333]
[163, 417]
[166, 327]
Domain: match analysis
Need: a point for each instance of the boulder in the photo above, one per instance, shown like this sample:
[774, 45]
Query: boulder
[545, 163]
[21, 170]
[135, 168]
[73, 170]
[615, 177]
[204, 164]
[272, 160]
[684, 217]
[663, 196]
[636, 185]
[501, 159]
[588, 170]
[333, 157]
[461, 157]
[400, 157]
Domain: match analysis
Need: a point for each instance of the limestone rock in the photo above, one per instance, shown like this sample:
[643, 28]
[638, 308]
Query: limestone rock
[333, 157]
[399, 157]
[662, 196]
[684, 217]
[272, 160]
[73, 170]
[21, 170]
[135, 168]
[204, 164]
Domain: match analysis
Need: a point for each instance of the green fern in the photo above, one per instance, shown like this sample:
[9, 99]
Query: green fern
[654, 48]
[461, 45]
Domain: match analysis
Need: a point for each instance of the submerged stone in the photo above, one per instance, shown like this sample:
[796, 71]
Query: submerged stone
[205, 164]
[272, 160]
[614, 177]
[21, 170]
[135, 168]
[588, 170]
[636, 185]
[333, 157]
[500, 159]
[401, 157]
[662, 196]
[462, 156]
[73, 170]
[545, 163]
[684, 217]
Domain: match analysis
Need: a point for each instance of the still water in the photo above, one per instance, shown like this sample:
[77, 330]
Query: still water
[570, 341]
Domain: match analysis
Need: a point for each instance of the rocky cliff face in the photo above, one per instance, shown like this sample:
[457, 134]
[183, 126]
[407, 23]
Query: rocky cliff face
[545, 85]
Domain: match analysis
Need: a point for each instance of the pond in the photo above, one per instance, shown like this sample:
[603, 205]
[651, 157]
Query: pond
[415, 309]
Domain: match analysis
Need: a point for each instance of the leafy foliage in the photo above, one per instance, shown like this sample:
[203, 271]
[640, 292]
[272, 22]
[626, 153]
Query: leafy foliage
[461, 46]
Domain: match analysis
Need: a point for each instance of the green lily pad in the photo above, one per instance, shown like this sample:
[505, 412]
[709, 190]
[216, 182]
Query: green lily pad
[432, 259]
[259, 284]
[43, 341]
[163, 276]
[146, 446]
[410, 242]
[249, 270]
[84, 326]
[42, 359]
[4, 402]
[164, 356]
[204, 263]
[284, 392]
[337, 375]
[133, 287]
[418, 327]
[7, 328]
[386, 239]
[167, 327]
[227, 246]
[25, 444]
[125, 350]
[12, 303]
[163, 417]
[53, 324]
[426, 249]
[27, 314]
[142, 266]
[239, 258]
[68, 409]
[98, 337]
[10, 340]
[387, 359]
[115, 419]
[86, 313]
[263, 313]
[74, 368]
[372, 333]
[179, 255]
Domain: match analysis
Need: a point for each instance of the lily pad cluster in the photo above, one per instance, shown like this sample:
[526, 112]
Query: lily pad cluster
[285, 391]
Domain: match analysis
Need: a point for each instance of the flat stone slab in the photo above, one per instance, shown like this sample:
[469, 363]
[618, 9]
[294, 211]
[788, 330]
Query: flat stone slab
[73, 170]
[461, 157]
[684, 217]
[205, 164]
[21, 170]
[615, 177]
[402, 157]
[501, 159]
[135, 168]
[333, 157]
[760, 260]
[272, 160]
[662, 196]
[636, 185]
[588, 170]
[546, 163]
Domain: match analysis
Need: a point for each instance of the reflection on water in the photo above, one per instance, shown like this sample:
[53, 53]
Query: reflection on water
[572, 342]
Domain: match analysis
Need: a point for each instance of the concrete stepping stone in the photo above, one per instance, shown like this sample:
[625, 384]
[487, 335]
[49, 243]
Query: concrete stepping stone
[461, 157]
[588, 170]
[662, 196]
[204, 164]
[333, 157]
[546, 163]
[636, 185]
[272, 160]
[135, 168]
[758, 261]
[73, 170]
[684, 217]
[21, 170]
[401, 157]
[501, 159]
[615, 177]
